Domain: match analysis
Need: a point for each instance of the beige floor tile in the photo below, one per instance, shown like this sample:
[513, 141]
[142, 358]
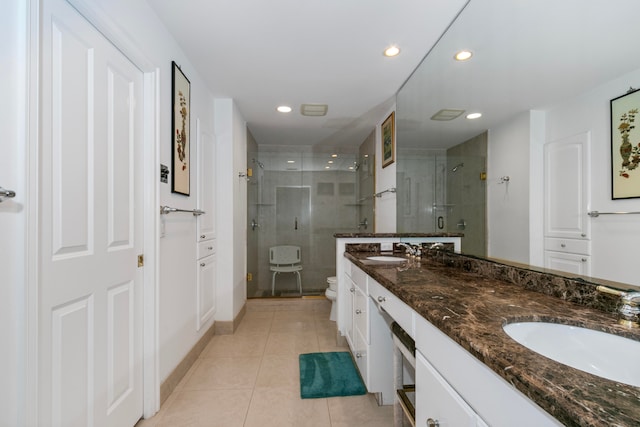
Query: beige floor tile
[224, 373]
[291, 343]
[293, 326]
[282, 407]
[263, 315]
[252, 377]
[207, 408]
[359, 411]
[279, 371]
[254, 326]
[304, 315]
[236, 345]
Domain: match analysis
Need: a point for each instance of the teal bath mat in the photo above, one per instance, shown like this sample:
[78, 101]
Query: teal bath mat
[329, 375]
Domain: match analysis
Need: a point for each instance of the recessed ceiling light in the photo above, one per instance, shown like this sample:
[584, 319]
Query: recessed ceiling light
[391, 51]
[284, 109]
[474, 116]
[291, 161]
[350, 167]
[327, 167]
[334, 155]
[463, 55]
[330, 161]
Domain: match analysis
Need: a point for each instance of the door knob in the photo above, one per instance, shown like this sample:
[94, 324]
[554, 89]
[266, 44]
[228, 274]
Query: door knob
[6, 193]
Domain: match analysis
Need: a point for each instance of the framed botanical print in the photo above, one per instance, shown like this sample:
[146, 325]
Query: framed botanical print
[180, 118]
[388, 130]
[625, 146]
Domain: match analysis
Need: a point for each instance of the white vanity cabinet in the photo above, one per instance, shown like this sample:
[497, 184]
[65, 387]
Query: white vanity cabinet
[206, 263]
[437, 404]
[453, 388]
[567, 245]
[206, 291]
[369, 338]
[470, 389]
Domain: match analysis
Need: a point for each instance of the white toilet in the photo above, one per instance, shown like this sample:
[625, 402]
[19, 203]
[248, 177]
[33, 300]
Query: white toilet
[331, 293]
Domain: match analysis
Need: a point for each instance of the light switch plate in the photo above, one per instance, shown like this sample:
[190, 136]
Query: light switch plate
[386, 246]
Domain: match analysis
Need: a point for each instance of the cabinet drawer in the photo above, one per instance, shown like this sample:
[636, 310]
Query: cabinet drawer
[205, 235]
[398, 310]
[360, 356]
[359, 278]
[206, 248]
[574, 246]
[347, 267]
[360, 314]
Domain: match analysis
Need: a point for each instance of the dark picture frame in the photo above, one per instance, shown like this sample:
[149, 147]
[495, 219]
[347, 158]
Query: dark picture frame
[388, 132]
[625, 148]
[180, 131]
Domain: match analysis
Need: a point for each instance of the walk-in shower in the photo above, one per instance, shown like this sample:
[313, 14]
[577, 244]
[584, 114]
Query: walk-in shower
[299, 199]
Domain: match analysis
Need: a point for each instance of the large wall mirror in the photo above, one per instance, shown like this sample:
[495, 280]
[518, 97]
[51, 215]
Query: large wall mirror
[527, 57]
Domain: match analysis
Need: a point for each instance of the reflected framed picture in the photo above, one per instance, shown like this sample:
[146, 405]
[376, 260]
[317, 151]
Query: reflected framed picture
[625, 146]
[388, 131]
[180, 118]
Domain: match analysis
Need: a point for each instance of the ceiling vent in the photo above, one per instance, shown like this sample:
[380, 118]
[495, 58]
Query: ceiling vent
[314, 109]
[446, 115]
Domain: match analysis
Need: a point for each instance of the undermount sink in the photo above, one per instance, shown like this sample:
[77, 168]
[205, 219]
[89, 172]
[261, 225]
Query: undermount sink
[386, 258]
[599, 353]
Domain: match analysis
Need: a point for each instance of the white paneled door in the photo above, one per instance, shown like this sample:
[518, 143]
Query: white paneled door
[90, 187]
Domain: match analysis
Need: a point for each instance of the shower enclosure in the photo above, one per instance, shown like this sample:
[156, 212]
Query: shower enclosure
[444, 191]
[299, 199]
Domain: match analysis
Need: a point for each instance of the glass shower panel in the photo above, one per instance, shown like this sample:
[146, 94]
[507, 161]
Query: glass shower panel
[421, 204]
[301, 199]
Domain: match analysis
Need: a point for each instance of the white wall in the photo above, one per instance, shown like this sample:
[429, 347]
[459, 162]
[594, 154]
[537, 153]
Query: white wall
[134, 20]
[385, 206]
[508, 203]
[231, 137]
[614, 238]
[13, 213]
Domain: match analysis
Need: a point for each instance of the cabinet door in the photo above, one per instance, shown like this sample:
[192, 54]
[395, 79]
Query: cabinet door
[206, 291]
[206, 183]
[566, 169]
[571, 263]
[436, 400]
[349, 323]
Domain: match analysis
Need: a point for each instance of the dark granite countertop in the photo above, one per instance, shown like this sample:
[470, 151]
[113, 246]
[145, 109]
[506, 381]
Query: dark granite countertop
[400, 235]
[471, 307]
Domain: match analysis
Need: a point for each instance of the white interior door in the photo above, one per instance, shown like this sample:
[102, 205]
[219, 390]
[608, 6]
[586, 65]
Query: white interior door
[90, 295]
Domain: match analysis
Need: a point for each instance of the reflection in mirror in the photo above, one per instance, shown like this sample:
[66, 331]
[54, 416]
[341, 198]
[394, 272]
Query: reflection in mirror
[532, 75]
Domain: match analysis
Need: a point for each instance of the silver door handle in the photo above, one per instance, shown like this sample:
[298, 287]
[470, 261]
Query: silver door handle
[6, 193]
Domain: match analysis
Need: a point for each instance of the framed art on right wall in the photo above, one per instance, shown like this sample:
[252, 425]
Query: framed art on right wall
[388, 140]
[625, 146]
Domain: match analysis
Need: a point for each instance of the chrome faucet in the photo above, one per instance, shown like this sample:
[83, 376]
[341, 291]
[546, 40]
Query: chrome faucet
[629, 309]
[411, 250]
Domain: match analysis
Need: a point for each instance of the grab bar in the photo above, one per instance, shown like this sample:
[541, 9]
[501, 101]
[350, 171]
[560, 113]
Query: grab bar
[389, 190]
[596, 214]
[165, 210]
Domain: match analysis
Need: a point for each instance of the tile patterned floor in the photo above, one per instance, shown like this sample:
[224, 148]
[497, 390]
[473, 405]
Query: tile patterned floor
[251, 378]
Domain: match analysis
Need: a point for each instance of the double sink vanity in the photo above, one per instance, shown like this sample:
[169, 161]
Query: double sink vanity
[495, 344]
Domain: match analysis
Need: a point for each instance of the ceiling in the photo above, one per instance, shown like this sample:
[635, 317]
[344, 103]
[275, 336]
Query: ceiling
[267, 53]
[528, 55]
